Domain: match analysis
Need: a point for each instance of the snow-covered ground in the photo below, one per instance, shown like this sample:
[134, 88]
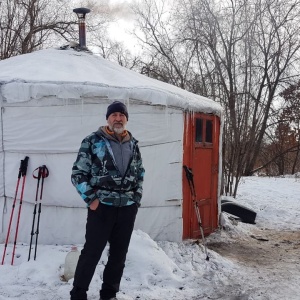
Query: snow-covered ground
[256, 262]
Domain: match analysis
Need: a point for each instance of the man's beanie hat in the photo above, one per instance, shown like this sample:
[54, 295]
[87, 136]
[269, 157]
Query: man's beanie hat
[117, 106]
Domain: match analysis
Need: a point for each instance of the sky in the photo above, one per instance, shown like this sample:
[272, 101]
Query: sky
[121, 28]
[179, 271]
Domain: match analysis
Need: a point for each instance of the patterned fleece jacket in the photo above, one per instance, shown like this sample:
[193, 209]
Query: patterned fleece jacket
[96, 175]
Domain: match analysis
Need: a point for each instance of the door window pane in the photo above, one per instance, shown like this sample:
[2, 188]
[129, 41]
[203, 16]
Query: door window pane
[199, 127]
[209, 131]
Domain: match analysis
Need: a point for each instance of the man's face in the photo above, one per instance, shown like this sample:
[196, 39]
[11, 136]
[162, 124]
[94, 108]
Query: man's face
[117, 122]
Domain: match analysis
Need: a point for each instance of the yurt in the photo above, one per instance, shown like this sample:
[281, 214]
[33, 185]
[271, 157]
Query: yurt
[51, 99]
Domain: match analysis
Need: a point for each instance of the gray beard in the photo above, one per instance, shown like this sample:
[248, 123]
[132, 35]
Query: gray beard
[117, 130]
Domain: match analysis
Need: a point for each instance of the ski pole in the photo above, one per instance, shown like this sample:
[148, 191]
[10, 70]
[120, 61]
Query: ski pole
[34, 210]
[44, 174]
[190, 178]
[12, 212]
[23, 167]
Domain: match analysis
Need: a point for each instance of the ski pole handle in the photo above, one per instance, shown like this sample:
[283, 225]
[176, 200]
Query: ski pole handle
[43, 172]
[23, 166]
[190, 178]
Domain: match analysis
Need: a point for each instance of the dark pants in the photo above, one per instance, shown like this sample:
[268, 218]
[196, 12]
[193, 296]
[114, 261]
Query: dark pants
[105, 224]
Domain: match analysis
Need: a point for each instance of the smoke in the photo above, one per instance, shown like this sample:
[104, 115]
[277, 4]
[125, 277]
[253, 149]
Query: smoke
[113, 9]
[121, 9]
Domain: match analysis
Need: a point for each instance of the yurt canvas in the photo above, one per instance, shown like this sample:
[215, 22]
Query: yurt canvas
[51, 99]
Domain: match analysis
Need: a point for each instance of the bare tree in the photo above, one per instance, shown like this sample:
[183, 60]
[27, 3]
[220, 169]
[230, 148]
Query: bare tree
[166, 50]
[115, 51]
[253, 46]
[238, 52]
[27, 25]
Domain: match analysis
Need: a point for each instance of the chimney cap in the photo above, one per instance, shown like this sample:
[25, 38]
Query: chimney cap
[81, 11]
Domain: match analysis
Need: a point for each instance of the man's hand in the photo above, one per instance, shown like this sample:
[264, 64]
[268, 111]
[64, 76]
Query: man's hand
[94, 204]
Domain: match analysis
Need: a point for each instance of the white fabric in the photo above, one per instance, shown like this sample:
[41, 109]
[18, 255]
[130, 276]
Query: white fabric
[3, 223]
[60, 129]
[1, 175]
[62, 225]
[163, 223]
[163, 180]
[57, 191]
[1, 146]
[58, 225]
[1, 157]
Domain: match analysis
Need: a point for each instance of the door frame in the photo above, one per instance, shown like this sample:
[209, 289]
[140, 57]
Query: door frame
[189, 146]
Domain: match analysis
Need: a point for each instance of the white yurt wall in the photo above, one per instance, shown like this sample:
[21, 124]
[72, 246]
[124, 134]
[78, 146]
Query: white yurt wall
[1, 169]
[50, 132]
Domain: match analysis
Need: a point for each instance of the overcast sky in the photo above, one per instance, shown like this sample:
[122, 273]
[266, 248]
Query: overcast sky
[120, 29]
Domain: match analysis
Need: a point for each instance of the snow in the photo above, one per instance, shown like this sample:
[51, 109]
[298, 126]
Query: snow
[169, 270]
[69, 74]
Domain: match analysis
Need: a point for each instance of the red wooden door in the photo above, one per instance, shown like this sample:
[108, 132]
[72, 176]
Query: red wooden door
[201, 155]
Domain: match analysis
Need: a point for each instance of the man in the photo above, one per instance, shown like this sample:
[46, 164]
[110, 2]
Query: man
[108, 174]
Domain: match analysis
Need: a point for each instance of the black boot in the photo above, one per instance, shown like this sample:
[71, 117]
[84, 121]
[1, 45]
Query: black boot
[78, 294]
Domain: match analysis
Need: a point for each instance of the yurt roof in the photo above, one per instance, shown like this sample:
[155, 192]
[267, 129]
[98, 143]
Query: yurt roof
[69, 74]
